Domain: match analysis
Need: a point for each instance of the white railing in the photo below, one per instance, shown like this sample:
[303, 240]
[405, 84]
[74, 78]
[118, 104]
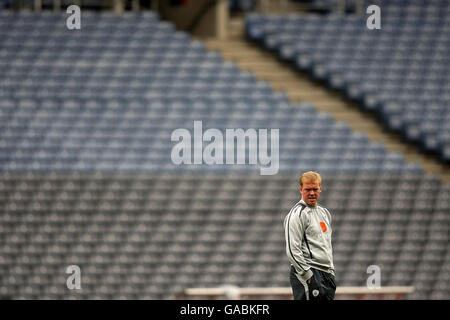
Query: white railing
[342, 293]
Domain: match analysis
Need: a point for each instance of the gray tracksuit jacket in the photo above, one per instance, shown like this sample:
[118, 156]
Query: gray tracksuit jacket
[308, 239]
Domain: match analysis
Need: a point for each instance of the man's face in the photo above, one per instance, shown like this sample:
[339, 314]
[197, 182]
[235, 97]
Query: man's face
[310, 193]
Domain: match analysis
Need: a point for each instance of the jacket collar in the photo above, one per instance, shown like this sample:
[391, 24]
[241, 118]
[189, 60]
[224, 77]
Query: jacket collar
[303, 202]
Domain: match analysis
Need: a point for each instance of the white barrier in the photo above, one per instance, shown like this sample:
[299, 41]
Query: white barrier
[342, 293]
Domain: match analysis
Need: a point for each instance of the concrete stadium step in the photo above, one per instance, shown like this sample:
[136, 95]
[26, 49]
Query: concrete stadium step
[300, 88]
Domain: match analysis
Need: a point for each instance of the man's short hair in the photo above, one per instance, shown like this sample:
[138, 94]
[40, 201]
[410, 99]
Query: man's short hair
[310, 177]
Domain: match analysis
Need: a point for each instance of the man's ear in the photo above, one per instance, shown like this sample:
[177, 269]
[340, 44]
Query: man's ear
[300, 189]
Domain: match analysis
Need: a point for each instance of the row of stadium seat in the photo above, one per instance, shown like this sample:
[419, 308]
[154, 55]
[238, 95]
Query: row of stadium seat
[233, 5]
[399, 72]
[86, 178]
[153, 228]
[170, 102]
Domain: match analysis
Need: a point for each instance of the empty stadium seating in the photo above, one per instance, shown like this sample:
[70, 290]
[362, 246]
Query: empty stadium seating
[151, 235]
[162, 81]
[400, 72]
[86, 176]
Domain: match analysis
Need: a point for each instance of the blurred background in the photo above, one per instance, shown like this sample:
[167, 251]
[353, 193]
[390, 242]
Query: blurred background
[86, 117]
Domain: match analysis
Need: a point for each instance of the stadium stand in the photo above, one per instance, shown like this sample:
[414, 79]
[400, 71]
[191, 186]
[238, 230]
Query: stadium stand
[400, 72]
[343, 6]
[86, 176]
[241, 5]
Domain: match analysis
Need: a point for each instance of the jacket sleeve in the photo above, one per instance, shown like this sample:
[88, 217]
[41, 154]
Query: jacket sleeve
[294, 225]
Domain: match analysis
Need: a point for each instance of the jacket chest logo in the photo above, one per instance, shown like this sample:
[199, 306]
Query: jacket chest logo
[323, 226]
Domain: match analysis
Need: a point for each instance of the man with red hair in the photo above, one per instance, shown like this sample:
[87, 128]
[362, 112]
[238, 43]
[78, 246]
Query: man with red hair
[308, 243]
